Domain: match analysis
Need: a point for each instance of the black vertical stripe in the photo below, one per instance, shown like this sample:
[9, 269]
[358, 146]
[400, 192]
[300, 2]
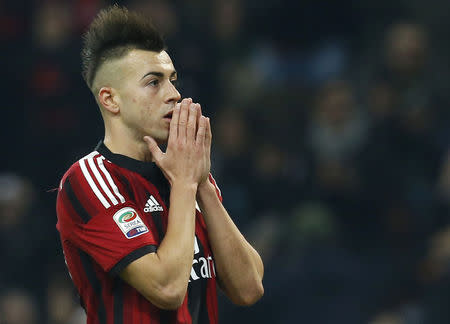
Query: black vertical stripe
[79, 209]
[126, 184]
[157, 220]
[88, 267]
[164, 189]
[165, 316]
[197, 293]
[118, 301]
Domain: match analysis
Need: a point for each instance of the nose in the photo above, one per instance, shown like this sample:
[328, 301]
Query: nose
[173, 96]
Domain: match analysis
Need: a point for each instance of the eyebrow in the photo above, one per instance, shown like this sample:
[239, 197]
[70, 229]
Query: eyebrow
[158, 74]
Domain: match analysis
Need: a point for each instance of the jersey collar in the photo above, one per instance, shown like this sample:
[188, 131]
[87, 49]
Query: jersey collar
[147, 169]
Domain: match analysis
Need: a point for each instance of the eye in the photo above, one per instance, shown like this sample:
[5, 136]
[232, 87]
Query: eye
[153, 83]
[174, 82]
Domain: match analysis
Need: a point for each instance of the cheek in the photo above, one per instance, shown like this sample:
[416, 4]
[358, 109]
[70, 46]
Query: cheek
[139, 105]
[133, 111]
[146, 112]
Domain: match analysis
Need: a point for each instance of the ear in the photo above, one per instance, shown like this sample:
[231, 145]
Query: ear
[107, 97]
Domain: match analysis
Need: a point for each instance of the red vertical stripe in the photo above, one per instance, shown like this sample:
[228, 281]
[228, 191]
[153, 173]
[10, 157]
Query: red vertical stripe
[211, 301]
[183, 315]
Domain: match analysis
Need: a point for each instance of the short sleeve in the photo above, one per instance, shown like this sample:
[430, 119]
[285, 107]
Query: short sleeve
[113, 236]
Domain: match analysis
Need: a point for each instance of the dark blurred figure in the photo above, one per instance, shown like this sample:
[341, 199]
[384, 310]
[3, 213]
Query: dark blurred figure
[402, 105]
[52, 81]
[17, 246]
[400, 164]
[436, 278]
[18, 307]
[62, 307]
[406, 50]
[337, 134]
[232, 161]
[402, 155]
[27, 238]
[310, 276]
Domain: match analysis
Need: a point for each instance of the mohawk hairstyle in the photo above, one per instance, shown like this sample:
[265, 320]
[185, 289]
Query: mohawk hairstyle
[112, 34]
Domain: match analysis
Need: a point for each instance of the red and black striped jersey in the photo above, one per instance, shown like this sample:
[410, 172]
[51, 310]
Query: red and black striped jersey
[111, 211]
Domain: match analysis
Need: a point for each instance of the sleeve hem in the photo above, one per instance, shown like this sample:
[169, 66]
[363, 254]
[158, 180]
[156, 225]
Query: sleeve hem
[136, 254]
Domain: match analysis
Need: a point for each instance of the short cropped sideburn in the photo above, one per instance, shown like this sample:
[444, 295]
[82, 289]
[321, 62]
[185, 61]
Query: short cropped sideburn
[112, 34]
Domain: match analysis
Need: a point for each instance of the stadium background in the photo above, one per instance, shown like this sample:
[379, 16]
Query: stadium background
[331, 128]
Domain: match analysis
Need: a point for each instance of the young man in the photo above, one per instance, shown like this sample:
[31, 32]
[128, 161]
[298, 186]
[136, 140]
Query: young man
[144, 233]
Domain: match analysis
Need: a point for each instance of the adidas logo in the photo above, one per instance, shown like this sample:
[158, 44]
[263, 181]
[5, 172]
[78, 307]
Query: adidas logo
[152, 205]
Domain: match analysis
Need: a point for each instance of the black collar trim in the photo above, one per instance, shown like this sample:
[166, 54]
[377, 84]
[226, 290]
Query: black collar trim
[144, 168]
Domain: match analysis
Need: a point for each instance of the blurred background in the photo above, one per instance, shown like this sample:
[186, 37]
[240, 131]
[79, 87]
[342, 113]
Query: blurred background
[331, 128]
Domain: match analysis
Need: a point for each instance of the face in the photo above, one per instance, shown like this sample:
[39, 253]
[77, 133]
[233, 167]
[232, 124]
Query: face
[147, 94]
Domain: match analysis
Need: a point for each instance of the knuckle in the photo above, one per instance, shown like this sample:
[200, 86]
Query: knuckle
[178, 144]
[181, 145]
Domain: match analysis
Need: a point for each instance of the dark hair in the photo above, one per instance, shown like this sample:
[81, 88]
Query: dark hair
[112, 34]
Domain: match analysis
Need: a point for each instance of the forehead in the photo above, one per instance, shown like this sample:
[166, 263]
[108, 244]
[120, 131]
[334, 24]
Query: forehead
[141, 61]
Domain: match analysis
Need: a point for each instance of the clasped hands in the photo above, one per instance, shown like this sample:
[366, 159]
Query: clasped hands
[187, 157]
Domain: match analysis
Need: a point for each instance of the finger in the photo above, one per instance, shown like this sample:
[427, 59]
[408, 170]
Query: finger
[182, 122]
[208, 134]
[192, 122]
[154, 149]
[199, 115]
[200, 139]
[173, 134]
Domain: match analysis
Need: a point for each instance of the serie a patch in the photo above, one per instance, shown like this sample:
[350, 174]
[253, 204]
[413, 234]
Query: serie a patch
[130, 223]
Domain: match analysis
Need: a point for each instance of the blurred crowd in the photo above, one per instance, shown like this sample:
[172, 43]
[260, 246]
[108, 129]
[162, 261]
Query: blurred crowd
[331, 127]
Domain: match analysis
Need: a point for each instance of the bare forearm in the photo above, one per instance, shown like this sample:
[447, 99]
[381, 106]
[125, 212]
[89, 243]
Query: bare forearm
[239, 266]
[177, 248]
[162, 277]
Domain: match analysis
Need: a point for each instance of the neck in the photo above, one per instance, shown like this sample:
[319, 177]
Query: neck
[123, 141]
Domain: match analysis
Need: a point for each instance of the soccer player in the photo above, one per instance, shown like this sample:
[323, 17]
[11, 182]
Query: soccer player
[144, 232]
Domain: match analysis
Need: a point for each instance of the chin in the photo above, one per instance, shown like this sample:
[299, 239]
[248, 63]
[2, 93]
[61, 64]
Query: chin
[162, 140]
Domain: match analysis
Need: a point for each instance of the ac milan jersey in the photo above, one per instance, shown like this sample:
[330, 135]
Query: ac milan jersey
[111, 211]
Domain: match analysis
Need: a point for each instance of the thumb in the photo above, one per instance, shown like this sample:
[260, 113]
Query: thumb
[157, 154]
